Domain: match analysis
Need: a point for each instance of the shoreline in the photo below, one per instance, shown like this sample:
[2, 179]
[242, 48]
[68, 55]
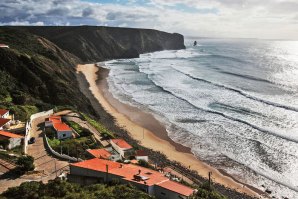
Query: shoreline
[144, 128]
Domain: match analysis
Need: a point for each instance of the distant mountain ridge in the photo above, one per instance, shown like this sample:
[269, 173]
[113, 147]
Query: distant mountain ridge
[38, 72]
[93, 43]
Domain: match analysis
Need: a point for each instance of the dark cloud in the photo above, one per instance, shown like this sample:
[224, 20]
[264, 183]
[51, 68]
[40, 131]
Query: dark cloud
[87, 12]
[58, 11]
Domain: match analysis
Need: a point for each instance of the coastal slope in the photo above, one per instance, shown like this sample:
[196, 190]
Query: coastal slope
[93, 43]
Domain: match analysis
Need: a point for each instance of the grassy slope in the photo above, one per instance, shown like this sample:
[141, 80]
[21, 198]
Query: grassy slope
[35, 74]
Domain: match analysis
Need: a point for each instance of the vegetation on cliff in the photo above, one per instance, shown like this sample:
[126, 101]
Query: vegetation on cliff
[35, 75]
[63, 189]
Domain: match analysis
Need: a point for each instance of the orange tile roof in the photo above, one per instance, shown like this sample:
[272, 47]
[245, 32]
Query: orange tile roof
[61, 127]
[10, 135]
[122, 143]
[99, 153]
[176, 187]
[3, 121]
[128, 171]
[97, 164]
[54, 119]
[3, 111]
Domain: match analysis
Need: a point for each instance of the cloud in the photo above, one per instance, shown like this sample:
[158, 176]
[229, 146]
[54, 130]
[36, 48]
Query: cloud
[213, 18]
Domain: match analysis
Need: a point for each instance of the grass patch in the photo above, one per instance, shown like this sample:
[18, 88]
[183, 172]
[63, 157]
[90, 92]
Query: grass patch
[74, 147]
[54, 143]
[75, 126]
[98, 126]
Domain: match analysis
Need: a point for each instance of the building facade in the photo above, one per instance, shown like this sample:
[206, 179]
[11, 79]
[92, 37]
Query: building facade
[14, 139]
[63, 131]
[152, 182]
[122, 147]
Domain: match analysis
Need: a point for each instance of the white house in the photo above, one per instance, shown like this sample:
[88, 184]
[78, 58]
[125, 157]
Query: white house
[4, 113]
[4, 123]
[141, 155]
[152, 182]
[122, 147]
[14, 139]
[52, 120]
[63, 130]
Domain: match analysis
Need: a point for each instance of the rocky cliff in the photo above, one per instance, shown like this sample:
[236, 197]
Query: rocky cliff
[101, 43]
[37, 72]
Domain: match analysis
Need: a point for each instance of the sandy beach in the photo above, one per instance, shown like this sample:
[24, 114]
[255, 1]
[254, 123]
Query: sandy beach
[148, 131]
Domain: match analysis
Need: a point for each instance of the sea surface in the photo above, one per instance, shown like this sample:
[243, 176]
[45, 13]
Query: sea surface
[233, 102]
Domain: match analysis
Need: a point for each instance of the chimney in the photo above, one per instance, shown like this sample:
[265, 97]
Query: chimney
[139, 171]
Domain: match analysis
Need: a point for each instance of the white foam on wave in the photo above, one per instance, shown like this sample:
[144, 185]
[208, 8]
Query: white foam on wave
[214, 137]
[171, 54]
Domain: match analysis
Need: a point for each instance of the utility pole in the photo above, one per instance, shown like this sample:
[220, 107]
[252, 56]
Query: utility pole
[209, 180]
[55, 167]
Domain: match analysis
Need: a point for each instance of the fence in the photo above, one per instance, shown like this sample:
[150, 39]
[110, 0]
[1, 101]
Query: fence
[62, 156]
[29, 125]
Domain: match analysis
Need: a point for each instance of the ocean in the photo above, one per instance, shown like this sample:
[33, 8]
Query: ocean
[234, 102]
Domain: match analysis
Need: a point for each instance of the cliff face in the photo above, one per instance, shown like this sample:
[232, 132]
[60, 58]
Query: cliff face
[101, 43]
[37, 72]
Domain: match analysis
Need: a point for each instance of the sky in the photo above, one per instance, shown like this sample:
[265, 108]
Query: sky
[263, 19]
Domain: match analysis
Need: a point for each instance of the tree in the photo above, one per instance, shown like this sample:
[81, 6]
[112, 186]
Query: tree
[26, 163]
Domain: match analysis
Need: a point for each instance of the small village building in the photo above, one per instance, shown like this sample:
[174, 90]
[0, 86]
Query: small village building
[4, 46]
[52, 120]
[14, 139]
[4, 123]
[122, 147]
[4, 113]
[100, 153]
[63, 131]
[152, 182]
[141, 155]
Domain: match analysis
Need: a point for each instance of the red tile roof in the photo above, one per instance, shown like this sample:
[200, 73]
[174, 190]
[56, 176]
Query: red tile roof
[129, 171]
[10, 135]
[3, 111]
[99, 153]
[141, 153]
[97, 164]
[61, 127]
[121, 143]
[176, 187]
[3, 121]
[54, 119]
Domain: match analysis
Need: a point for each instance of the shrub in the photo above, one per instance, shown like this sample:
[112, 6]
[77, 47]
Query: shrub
[25, 163]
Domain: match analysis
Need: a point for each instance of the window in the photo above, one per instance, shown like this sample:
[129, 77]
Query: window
[162, 193]
[63, 135]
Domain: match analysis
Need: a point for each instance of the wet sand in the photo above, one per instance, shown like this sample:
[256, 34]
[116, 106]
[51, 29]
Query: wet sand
[148, 131]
